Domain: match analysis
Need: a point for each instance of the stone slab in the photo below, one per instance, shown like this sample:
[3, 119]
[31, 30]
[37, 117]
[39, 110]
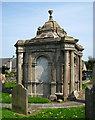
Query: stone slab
[20, 99]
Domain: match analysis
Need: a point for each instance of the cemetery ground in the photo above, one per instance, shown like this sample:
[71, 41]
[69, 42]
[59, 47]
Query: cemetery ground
[72, 112]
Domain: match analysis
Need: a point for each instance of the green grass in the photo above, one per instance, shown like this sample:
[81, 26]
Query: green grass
[38, 100]
[68, 113]
[10, 84]
[91, 79]
[84, 86]
[7, 99]
[8, 113]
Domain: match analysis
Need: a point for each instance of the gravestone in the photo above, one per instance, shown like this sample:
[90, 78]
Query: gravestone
[20, 99]
[90, 99]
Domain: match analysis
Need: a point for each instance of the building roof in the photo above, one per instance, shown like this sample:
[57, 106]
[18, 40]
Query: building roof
[50, 33]
[50, 29]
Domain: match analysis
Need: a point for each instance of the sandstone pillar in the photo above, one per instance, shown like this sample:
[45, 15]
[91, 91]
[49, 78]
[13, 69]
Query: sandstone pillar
[34, 78]
[52, 82]
[65, 92]
[80, 71]
[24, 70]
[19, 68]
[72, 72]
[30, 73]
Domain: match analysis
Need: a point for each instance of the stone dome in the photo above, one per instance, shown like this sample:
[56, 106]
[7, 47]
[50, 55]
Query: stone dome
[50, 29]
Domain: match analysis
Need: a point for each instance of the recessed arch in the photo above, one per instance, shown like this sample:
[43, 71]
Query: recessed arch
[41, 54]
[42, 69]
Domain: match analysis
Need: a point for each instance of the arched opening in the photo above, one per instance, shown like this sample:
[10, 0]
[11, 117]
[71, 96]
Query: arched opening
[42, 76]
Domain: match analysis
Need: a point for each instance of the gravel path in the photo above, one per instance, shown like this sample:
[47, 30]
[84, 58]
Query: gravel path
[50, 105]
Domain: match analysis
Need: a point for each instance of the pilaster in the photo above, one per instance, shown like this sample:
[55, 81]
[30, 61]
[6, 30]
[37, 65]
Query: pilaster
[29, 73]
[19, 68]
[80, 71]
[72, 71]
[66, 67]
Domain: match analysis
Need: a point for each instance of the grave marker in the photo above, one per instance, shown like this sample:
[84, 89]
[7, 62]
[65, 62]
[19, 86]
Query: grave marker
[20, 99]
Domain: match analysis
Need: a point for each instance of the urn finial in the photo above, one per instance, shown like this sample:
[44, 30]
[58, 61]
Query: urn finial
[50, 12]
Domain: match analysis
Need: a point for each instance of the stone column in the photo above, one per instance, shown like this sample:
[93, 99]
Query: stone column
[34, 78]
[62, 77]
[30, 73]
[65, 91]
[19, 68]
[72, 72]
[80, 71]
[52, 82]
[24, 70]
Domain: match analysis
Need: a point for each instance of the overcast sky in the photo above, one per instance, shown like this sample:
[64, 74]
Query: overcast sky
[20, 21]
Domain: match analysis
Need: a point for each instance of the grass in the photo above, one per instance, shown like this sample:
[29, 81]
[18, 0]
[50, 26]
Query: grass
[38, 100]
[10, 84]
[6, 98]
[84, 86]
[64, 113]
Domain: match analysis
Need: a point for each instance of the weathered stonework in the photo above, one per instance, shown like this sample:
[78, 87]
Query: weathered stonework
[20, 99]
[49, 62]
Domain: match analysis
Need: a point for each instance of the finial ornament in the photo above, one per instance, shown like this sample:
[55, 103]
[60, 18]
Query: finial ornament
[50, 12]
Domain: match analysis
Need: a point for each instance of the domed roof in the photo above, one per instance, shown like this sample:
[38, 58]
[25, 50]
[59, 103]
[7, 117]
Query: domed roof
[50, 29]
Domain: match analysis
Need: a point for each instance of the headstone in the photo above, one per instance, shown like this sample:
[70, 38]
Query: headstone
[20, 99]
[89, 102]
[90, 99]
[94, 91]
[93, 75]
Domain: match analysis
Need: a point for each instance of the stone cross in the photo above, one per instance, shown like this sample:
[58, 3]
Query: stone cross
[20, 99]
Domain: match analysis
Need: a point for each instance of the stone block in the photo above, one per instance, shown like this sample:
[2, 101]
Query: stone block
[20, 99]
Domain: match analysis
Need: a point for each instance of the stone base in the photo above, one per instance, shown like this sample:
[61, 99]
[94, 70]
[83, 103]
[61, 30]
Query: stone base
[30, 95]
[53, 97]
[64, 98]
[59, 95]
[60, 100]
[71, 98]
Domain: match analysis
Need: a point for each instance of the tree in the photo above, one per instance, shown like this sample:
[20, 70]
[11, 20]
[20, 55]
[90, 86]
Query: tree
[90, 62]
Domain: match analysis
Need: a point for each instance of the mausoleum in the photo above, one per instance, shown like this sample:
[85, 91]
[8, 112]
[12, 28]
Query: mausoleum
[52, 62]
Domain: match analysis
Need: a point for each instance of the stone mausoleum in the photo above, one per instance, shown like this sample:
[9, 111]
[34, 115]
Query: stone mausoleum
[52, 62]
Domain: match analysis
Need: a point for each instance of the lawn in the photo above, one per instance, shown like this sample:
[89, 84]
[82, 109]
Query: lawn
[7, 96]
[10, 84]
[63, 113]
[60, 113]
